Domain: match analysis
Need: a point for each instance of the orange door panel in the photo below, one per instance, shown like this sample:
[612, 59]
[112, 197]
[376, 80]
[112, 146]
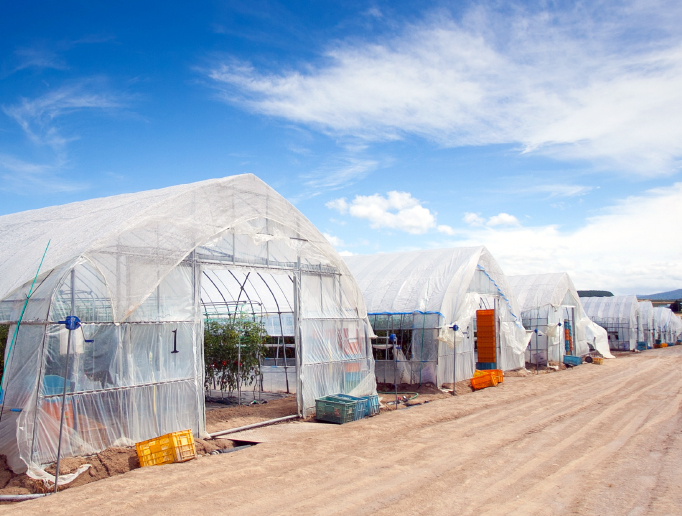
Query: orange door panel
[485, 335]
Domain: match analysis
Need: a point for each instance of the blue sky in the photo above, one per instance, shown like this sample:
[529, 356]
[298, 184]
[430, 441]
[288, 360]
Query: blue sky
[550, 132]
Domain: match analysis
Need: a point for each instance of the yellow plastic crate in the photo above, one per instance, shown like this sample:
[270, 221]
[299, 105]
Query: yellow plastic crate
[173, 447]
[597, 360]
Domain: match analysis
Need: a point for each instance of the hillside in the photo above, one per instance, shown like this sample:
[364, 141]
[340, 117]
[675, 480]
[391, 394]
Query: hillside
[671, 294]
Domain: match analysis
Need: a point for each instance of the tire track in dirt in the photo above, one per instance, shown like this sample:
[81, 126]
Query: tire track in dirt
[593, 440]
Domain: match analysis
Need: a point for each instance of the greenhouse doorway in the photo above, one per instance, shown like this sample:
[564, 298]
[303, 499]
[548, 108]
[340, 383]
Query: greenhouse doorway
[569, 330]
[486, 339]
[250, 349]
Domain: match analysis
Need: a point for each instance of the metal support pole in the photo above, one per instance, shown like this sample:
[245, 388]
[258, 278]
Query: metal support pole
[297, 337]
[454, 360]
[537, 351]
[66, 379]
[395, 367]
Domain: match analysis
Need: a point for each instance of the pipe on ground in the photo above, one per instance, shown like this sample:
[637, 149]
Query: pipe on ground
[21, 497]
[249, 427]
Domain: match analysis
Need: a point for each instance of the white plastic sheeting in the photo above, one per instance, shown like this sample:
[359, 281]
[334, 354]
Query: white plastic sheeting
[668, 325]
[619, 316]
[547, 300]
[452, 283]
[646, 318]
[135, 262]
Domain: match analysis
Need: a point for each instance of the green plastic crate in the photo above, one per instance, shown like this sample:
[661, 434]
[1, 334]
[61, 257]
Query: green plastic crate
[335, 410]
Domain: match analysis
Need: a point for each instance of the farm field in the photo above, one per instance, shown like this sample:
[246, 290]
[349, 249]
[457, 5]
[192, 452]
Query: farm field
[590, 440]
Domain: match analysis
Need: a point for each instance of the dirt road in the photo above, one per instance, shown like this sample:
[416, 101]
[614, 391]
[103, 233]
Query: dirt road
[592, 440]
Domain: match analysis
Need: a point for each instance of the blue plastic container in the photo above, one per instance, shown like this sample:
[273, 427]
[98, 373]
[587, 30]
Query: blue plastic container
[361, 405]
[641, 346]
[571, 360]
[372, 404]
[484, 366]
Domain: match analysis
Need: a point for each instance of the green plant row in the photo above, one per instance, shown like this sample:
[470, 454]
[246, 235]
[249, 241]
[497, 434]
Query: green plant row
[232, 352]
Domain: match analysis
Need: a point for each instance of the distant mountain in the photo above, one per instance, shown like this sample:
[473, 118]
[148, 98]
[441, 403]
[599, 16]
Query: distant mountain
[672, 294]
[595, 293]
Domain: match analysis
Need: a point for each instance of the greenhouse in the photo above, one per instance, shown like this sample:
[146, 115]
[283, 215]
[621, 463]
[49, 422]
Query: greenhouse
[109, 349]
[646, 317]
[437, 312]
[619, 316]
[551, 309]
[668, 326]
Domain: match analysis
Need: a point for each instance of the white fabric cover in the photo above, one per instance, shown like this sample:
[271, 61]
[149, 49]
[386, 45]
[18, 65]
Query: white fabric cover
[544, 295]
[646, 317]
[619, 316]
[668, 325]
[450, 282]
[137, 263]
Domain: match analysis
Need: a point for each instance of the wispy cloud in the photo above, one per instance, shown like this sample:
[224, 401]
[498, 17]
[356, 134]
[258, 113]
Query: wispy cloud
[38, 117]
[48, 54]
[599, 82]
[20, 176]
[38, 58]
[553, 190]
[340, 172]
[396, 210]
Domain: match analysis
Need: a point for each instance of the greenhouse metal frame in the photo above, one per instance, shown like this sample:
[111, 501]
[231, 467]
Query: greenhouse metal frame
[130, 268]
[548, 302]
[430, 300]
[619, 316]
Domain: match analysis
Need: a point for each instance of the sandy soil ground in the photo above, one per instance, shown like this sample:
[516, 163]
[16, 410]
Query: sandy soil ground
[595, 439]
[242, 415]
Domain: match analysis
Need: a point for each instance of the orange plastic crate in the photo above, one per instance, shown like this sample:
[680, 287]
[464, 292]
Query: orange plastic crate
[173, 447]
[484, 380]
[496, 372]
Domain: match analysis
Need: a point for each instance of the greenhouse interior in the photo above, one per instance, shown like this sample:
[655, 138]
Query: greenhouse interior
[110, 348]
[437, 312]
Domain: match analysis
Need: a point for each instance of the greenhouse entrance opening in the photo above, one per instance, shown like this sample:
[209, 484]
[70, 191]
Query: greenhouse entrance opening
[553, 333]
[406, 347]
[486, 339]
[249, 334]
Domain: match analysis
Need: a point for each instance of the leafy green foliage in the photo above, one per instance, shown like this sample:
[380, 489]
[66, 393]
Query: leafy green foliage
[232, 352]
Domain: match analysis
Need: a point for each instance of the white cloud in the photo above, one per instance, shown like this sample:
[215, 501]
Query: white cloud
[37, 117]
[20, 176]
[339, 205]
[38, 58]
[557, 190]
[346, 253]
[340, 172]
[398, 210]
[333, 240]
[601, 82]
[443, 228]
[503, 219]
[473, 219]
[631, 247]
